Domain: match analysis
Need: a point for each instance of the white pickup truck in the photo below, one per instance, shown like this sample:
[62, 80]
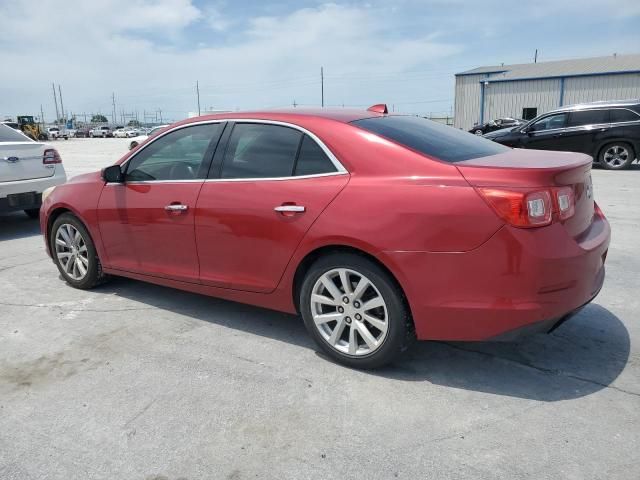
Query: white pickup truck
[102, 132]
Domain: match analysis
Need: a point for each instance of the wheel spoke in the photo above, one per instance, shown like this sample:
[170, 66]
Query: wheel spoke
[353, 340]
[84, 261]
[326, 317]
[77, 237]
[331, 288]
[379, 324]
[366, 335]
[360, 288]
[61, 242]
[337, 332]
[373, 303]
[65, 236]
[323, 300]
[82, 249]
[80, 266]
[344, 279]
[69, 266]
[63, 254]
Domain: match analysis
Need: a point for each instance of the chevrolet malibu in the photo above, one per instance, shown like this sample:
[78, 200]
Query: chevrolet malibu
[375, 228]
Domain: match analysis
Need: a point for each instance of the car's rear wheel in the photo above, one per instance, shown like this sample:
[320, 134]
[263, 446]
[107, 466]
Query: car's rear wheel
[33, 212]
[74, 253]
[355, 311]
[616, 156]
[133, 145]
[479, 132]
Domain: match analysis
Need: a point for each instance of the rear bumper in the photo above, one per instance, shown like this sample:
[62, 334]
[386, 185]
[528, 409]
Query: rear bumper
[519, 281]
[37, 185]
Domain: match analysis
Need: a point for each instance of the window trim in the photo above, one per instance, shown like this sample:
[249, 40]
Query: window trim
[340, 169]
[611, 109]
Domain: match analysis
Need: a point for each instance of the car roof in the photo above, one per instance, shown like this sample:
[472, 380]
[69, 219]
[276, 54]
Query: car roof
[343, 115]
[601, 104]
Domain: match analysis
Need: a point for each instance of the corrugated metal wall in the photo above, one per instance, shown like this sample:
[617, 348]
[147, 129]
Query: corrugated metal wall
[603, 87]
[507, 99]
[467, 100]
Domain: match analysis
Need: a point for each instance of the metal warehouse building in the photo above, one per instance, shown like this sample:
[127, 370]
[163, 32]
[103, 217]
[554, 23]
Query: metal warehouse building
[530, 89]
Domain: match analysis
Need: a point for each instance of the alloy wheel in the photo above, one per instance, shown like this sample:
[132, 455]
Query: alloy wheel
[349, 312]
[71, 251]
[616, 156]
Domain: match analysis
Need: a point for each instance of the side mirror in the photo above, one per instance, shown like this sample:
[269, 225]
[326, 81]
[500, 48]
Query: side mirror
[113, 174]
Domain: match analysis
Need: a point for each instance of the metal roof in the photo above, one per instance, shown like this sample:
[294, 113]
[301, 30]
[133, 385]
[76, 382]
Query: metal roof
[613, 64]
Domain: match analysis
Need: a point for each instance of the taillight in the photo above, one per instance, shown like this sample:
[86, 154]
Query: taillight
[520, 208]
[51, 156]
[566, 202]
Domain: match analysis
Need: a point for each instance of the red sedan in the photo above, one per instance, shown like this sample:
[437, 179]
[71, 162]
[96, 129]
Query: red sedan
[376, 228]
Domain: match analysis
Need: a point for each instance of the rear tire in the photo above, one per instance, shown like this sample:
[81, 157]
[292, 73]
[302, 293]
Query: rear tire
[479, 132]
[79, 249]
[616, 156]
[33, 212]
[356, 336]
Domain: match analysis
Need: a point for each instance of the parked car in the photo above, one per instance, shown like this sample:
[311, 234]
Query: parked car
[341, 216]
[55, 133]
[126, 132]
[82, 132]
[607, 131]
[497, 124]
[137, 140]
[102, 132]
[27, 169]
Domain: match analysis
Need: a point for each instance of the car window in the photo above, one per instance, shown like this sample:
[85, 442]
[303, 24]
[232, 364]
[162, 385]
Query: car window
[312, 160]
[178, 155]
[260, 151]
[431, 138]
[8, 134]
[623, 115]
[588, 117]
[548, 123]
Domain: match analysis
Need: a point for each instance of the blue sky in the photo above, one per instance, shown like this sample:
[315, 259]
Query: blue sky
[260, 54]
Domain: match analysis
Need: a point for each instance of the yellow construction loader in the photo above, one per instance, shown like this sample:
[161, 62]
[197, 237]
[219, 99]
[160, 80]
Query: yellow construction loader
[30, 128]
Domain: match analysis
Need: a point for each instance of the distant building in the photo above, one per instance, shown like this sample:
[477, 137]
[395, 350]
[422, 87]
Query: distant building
[530, 89]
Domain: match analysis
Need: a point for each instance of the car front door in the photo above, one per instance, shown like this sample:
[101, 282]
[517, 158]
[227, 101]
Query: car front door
[267, 188]
[147, 222]
[546, 133]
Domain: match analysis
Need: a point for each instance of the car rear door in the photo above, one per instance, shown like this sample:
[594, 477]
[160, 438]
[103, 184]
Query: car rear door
[266, 189]
[584, 130]
[147, 222]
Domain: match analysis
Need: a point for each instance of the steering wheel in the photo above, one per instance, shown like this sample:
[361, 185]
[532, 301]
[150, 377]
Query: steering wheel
[181, 171]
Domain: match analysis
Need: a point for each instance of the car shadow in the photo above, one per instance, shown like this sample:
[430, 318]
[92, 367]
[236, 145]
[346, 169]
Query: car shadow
[584, 355]
[17, 225]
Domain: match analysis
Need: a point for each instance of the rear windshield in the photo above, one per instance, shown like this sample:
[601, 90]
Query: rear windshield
[8, 134]
[431, 138]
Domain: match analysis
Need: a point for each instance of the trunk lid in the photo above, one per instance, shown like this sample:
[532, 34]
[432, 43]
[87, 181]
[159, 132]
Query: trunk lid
[23, 161]
[536, 169]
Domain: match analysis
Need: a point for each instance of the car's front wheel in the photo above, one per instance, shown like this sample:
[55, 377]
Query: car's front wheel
[74, 253]
[617, 156]
[355, 311]
[479, 132]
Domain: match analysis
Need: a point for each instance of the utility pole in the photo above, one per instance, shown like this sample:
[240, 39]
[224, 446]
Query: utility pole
[55, 101]
[113, 112]
[294, 103]
[41, 117]
[160, 111]
[322, 85]
[61, 105]
[535, 57]
[198, 94]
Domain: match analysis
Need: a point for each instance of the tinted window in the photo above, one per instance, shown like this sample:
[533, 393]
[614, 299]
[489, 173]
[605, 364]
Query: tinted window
[552, 121]
[312, 160]
[260, 151]
[622, 115]
[178, 155]
[588, 117]
[431, 138]
[8, 134]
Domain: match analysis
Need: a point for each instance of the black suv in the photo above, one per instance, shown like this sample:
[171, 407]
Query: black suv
[608, 131]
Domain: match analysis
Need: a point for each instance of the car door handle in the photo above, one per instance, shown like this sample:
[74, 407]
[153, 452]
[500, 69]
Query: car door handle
[290, 208]
[176, 207]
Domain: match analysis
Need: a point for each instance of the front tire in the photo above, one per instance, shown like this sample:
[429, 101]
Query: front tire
[478, 132]
[74, 252]
[355, 311]
[616, 156]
